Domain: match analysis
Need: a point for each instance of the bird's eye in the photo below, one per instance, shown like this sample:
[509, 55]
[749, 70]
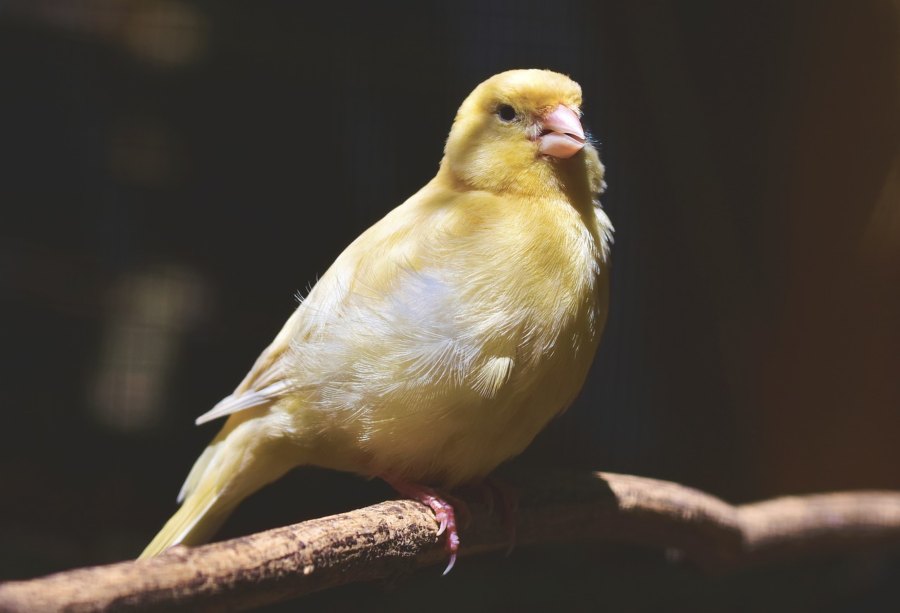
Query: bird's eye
[506, 113]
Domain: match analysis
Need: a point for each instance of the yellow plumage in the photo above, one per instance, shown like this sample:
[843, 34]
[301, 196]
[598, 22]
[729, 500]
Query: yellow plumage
[446, 336]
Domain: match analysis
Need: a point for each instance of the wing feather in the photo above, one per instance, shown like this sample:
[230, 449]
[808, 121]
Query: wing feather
[238, 402]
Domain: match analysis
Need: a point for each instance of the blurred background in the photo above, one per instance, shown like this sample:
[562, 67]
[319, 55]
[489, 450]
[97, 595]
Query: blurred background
[172, 172]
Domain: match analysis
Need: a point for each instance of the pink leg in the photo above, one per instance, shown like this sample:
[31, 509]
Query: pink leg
[509, 503]
[443, 512]
[496, 496]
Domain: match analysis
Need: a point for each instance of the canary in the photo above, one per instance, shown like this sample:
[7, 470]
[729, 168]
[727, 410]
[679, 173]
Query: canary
[447, 335]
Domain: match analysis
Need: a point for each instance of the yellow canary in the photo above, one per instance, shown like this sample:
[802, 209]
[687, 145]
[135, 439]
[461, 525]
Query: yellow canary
[446, 336]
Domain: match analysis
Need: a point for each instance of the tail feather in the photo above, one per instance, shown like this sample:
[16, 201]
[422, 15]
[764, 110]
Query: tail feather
[241, 459]
[195, 522]
[197, 472]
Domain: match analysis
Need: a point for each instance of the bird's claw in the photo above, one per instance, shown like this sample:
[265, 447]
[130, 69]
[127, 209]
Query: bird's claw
[444, 514]
[450, 565]
[497, 491]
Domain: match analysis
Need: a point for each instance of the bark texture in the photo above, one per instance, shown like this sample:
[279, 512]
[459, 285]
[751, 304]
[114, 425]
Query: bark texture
[399, 535]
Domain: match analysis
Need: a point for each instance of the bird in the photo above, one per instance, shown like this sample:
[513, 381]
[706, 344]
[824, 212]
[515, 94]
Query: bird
[446, 336]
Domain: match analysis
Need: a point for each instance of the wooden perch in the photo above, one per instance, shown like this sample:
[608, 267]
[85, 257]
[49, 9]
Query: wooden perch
[385, 538]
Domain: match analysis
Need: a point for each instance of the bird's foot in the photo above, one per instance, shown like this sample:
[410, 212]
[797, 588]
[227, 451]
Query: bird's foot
[497, 495]
[444, 513]
[509, 505]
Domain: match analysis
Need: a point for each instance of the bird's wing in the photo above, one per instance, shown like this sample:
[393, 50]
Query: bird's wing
[420, 310]
[359, 298]
[270, 376]
[264, 383]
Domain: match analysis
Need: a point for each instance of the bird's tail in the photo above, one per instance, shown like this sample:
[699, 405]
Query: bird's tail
[239, 461]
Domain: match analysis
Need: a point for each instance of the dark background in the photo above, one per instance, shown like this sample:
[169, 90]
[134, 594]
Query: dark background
[174, 171]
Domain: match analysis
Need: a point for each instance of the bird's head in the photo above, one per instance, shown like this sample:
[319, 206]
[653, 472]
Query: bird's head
[520, 131]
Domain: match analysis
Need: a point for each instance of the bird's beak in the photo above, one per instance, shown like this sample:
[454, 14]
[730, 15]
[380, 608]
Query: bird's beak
[561, 134]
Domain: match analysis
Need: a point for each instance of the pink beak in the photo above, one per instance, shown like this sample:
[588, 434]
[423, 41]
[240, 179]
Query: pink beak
[561, 133]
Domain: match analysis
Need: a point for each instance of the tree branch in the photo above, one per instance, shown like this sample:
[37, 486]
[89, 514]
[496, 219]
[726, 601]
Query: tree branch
[385, 538]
